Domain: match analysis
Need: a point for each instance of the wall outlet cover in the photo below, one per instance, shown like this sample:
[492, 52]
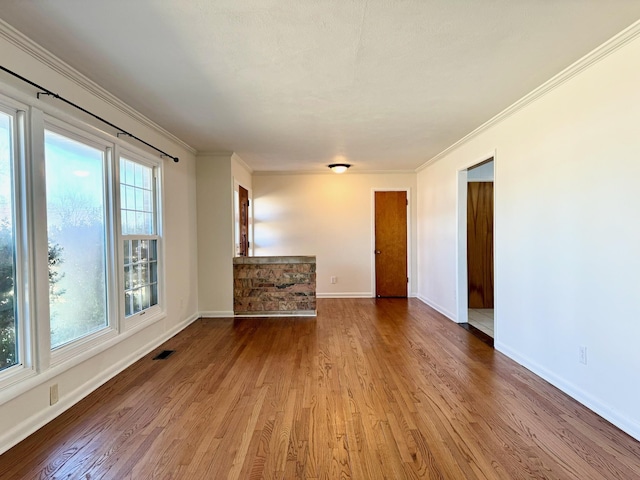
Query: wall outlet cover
[53, 394]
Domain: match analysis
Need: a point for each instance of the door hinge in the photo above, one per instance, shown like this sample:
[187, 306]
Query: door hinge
[248, 202]
[407, 279]
[407, 202]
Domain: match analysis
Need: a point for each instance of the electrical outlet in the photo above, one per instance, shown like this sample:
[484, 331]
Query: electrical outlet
[334, 279]
[53, 394]
[582, 355]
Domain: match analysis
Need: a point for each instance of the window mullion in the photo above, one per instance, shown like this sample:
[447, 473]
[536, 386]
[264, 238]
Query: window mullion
[25, 300]
[39, 241]
[112, 260]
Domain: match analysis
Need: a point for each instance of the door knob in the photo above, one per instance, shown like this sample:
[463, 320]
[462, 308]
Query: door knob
[377, 252]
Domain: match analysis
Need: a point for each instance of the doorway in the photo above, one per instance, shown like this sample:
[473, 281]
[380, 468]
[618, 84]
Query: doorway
[390, 243]
[476, 249]
[242, 221]
[243, 201]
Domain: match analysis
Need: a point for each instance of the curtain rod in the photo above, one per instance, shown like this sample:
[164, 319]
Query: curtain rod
[121, 131]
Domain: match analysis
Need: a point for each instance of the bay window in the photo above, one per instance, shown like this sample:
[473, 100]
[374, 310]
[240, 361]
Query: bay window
[80, 241]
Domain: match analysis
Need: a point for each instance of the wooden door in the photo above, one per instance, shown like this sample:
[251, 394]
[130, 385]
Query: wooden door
[243, 200]
[480, 244]
[391, 244]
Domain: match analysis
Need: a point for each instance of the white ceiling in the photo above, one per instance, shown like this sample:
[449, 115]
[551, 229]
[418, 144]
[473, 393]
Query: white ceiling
[292, 84]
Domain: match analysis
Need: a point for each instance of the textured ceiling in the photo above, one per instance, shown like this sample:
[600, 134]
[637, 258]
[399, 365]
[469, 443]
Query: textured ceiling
[292, 84]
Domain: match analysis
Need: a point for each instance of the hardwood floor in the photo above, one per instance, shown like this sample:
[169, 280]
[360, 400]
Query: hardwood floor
[370, 389]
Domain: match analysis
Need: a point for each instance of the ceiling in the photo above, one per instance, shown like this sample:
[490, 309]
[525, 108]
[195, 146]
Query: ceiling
[292, 85]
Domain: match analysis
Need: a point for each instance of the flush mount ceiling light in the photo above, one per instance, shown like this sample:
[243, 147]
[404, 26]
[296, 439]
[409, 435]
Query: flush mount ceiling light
[339, 167]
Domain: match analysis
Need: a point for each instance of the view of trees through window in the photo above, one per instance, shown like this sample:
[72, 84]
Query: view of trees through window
[8, 319]
[76, 227]
[139, 231]
[140, 275]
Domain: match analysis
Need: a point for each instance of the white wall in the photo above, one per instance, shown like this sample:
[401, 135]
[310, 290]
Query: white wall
[330, 216]
[566, 231]
[216, 176]
[24, 407]
[215, 235]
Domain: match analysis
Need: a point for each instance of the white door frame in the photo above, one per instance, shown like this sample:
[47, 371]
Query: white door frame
[462, 287]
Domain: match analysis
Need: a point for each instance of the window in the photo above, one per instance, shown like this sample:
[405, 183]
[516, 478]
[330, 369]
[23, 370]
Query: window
[77, 233]
[9, 327]
[139, 221]
[80, 242]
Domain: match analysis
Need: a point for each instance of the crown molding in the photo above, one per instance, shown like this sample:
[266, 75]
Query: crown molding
[242, 163]
[48, 59]
[596, 55]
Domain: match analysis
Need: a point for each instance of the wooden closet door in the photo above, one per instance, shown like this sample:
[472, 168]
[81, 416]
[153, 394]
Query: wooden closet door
[480, 244]
[391, 244]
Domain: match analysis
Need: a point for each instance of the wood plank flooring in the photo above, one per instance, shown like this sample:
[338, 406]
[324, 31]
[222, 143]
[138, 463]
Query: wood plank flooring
[371, 389]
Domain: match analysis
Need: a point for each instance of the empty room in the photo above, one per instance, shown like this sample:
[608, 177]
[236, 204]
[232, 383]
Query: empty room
[319, 240]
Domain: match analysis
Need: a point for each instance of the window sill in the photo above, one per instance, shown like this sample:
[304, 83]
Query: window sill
[144, 318]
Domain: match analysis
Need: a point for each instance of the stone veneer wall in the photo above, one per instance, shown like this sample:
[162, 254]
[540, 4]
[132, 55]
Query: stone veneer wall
[274, 285]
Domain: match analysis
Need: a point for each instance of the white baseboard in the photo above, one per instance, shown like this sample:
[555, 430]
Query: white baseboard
[277, 315]
[451, 316]
[15, 435]
[216, 314]
[623, 423]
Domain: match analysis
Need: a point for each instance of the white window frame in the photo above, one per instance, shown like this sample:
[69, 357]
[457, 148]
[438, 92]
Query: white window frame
[24, 368]
[95, 339]
[154, 312]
